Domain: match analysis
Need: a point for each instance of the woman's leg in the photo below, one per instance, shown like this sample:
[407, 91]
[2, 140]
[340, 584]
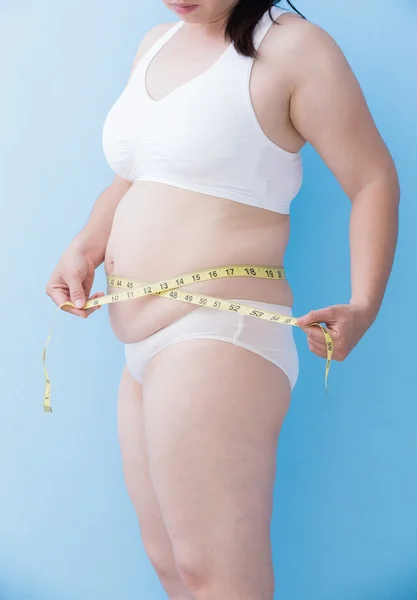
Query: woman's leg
[213, 413]
[136, 471]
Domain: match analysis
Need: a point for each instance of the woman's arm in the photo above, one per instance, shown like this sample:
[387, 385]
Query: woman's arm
[73, 276]
[329, 110]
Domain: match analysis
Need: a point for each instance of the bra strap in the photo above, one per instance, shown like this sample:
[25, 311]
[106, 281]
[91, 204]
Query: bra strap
[160, 42]
[265, 24]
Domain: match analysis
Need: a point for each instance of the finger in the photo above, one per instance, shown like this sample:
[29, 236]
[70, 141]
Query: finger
[88, 283]
[315, 334]
[76, 290]
[95, 296]
[322, 315]
[90, 311]
[60, 297]
[75, 311]
[318, 349]
[57, 295]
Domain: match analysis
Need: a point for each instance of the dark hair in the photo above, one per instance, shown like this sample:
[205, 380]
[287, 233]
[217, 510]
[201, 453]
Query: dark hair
[243, 19]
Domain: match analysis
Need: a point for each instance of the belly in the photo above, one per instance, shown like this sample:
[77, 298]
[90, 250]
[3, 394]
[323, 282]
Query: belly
[160, 232]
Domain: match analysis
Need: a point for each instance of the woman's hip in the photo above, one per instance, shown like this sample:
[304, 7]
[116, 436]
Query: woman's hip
[270, 340]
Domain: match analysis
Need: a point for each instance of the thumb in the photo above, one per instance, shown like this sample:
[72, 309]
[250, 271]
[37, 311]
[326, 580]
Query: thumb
[323, 315]
[76, 290]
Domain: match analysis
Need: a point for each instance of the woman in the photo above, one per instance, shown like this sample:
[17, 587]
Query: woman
[205, 141]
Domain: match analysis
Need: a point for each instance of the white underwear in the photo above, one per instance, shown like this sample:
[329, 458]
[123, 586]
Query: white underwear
[272, 341]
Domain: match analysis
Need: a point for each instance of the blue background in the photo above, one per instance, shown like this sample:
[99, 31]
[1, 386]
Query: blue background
[345, 525]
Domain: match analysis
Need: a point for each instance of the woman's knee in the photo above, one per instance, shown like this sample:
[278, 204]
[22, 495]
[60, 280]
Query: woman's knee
[159, 561]
[216, 574]
[195, 571]
[164, 566]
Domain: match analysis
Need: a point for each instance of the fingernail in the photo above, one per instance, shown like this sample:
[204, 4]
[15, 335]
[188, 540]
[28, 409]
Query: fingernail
[79, 303]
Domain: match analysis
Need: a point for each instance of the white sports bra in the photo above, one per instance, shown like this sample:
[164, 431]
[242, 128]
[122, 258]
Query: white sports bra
[203, 136]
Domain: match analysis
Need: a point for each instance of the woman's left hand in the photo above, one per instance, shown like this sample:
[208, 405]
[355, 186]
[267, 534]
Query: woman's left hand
[347, 324]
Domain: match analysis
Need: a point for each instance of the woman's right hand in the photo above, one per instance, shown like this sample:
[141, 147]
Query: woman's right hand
[72, 280]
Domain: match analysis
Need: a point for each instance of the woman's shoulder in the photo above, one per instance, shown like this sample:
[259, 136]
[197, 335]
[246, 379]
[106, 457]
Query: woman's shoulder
[302, 36]
[150, 38]
[305, 45]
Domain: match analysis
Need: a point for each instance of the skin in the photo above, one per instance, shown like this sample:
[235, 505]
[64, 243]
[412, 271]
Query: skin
[199, 459]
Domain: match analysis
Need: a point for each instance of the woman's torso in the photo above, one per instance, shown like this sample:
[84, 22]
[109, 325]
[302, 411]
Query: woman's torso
[160, 229]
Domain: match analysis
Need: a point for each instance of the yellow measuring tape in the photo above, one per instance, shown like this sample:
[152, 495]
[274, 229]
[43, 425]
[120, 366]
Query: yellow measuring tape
[170, 289]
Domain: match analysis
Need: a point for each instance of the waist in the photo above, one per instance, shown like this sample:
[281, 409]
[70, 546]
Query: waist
[148, 312]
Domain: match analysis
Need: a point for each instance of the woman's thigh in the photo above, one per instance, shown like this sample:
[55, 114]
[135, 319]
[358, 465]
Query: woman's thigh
[138, 482]
[213, 413]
